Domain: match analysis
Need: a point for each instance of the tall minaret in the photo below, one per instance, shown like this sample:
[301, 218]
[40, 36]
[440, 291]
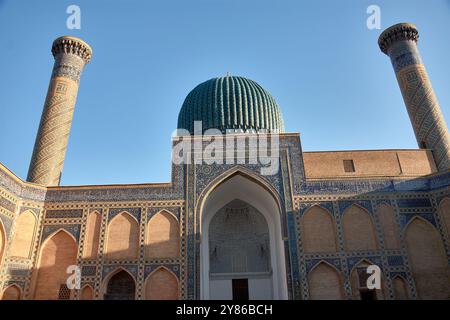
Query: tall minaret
[399, 42]
[71, 54]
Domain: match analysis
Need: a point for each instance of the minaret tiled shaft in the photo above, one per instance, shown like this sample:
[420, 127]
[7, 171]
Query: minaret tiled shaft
[71, 54]
[399, 42]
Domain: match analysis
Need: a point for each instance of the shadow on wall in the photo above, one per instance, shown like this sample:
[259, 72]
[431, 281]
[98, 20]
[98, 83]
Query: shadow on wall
[126, 240]
[423, 242]
[121, 253]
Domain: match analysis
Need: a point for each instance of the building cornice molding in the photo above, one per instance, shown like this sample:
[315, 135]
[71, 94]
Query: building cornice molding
[398, 32]
[72, 45]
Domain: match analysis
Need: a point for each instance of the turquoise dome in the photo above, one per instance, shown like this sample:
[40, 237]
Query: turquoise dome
[231, 104]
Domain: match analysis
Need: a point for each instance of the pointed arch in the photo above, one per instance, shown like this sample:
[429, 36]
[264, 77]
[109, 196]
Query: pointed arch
[24, 234]
[87, 293]
[163, 236]
[401, 291]
[325, 282]
[162, 284]
[58, 252]
[363, 262]
[119, 285]
[12, 292]
[229, 174]
[113, 273]
[92, 235]
[318, 230]
[51, 235]
[123, 237]
[428, 259]
[444, 212]
[243, 184]
[359, 231]
[2, 241]
[386, 214]
[358, 279]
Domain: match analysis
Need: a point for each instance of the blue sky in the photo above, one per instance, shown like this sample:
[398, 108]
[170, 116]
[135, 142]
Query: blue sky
[317, 58]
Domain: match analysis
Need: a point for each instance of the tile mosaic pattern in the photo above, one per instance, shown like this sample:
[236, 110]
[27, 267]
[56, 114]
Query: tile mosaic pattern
[400, 43]
[68, 208]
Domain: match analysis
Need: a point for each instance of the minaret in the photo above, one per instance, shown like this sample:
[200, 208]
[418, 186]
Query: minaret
[71, 54]
[399, 42]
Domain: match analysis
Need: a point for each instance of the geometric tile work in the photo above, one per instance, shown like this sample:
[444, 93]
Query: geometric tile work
[73, 229]
[411, 207]
[54, 129]
[417, 198]
[399, 42]
[407, 217]
[135, 212]
[405, 203]
[88, 270]
[347, 203]
[353, 261]
[17, 270]
[68, 213]
[310, 264]
[152, 267]
[426, 116]
[20, 284]
[294, 260]
[391, 262]
[8, 205]
[69, 207]
[151, 211]
[395, 260]
[7, 223]
[132, 269]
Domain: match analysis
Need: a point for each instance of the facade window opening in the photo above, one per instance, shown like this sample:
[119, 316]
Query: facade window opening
[349, 166]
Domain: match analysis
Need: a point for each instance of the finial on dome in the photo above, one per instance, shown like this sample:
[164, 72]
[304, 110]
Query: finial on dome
[228, 74]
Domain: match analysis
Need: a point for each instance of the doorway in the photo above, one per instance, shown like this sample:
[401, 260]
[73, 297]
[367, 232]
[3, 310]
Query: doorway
[120, 287]
[240, 289]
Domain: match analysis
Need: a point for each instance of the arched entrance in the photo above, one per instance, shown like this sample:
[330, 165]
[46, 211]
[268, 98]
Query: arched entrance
[120, 286]
[242, 250]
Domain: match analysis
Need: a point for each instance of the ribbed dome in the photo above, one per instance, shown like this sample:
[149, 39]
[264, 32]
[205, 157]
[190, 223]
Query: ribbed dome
[231, 103]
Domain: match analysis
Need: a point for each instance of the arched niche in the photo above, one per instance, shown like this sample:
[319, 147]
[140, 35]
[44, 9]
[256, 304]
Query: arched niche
[428, 260]
[161, 284]
[318, 230]
[119, 285]
[359, 231]
[87, 293]
[58, 252]
[12, 292]
[358, 281]
[325, 283]
[123, 237]
[252, 190]
[163, 236]
[24, 233]
[401, 291]
[444, 211]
